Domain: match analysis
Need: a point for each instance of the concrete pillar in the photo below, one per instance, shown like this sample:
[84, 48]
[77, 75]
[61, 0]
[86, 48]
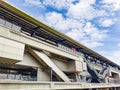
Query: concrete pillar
[78, 78]
[90, 89]
[104, 89]
[42, 75]
[114, 88]
[119, 75]
[106, 80]
[117, 88]
[38, 76]
[107, 89]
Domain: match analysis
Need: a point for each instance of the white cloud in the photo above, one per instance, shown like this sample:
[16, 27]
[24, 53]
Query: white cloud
[112, 4]
[101, 13]
[58, 4]
[94, 33]
[76, 34]
[113, 55]
[92, 44]
[94, 36]
[85, 39]
[117, 54]
[57, 21]
[80, 30]
[33, 2]
[106, 22]
[85, 9]
[118, 45]
[82, 10]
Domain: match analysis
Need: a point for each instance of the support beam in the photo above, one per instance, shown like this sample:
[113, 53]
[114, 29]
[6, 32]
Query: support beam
[50, 70]
[49, 63]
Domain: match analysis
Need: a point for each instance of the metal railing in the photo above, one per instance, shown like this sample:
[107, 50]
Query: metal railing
[17, 77]
[70, 50]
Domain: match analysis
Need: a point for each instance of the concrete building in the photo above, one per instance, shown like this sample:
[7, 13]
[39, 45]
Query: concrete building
[34, 56]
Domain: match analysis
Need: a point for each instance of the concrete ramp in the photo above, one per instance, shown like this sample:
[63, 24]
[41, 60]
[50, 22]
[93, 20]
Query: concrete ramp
[49, 62]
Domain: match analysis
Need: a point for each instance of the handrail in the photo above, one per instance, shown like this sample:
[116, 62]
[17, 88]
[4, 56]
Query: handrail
[70, 50]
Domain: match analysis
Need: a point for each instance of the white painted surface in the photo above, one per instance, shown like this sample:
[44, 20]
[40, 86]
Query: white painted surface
[11, 49]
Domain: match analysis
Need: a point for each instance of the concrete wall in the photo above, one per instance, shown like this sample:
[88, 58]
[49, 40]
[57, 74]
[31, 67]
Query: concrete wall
[70, 66]
[21, 40]
[29, 60]
[113, 70]
[60, 63]
[5, 32]
[11, 49]
[42, 75]
[115, 75]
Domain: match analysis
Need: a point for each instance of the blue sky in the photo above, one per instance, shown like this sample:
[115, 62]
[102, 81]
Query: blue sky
[93, 23]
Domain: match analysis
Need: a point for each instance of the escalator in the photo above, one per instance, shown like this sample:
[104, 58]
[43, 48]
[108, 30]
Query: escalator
[95, 76]
[103, 72]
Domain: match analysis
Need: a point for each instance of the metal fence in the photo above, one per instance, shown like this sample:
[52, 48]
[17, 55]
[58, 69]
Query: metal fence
[70, 50]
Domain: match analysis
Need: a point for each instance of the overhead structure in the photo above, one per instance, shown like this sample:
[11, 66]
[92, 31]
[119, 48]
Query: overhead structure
[36, 56]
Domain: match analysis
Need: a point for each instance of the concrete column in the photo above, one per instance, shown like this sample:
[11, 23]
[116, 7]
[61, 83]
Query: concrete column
[106, 80]
[114, 88]
[104, 89]
[90, 89]
[119, 75]
[78, 79]
[117, 88]
[42, 75]
[38, 76]
[107, 89]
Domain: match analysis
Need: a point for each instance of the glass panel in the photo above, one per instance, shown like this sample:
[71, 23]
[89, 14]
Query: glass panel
[2, 21]
[16, 28]
[8, 24]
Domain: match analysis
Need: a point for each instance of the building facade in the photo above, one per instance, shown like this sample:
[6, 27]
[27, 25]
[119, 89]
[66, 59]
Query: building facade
[35, 56]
